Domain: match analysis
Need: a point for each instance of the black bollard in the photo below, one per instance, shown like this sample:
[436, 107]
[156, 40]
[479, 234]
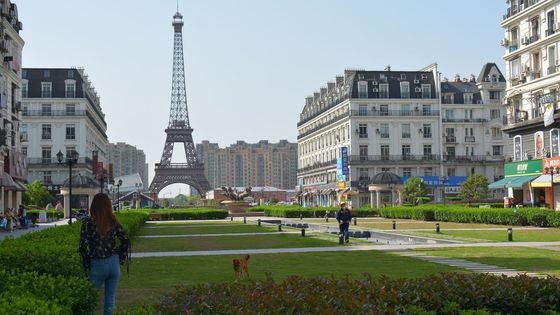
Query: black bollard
[302, 232]
[510, 234]
[244, 219]
[437, 227]
[394, 225]
[259, 222]
[355, 221]
[279, 227]
[231, 218]
[326, 219]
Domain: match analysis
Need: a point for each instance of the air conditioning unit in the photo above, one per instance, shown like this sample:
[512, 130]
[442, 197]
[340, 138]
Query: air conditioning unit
[416, 81]
[522, 115]
[556, 26]
[424, 76]
[417, 90]
[23, 136]
[525, 41]
[373, 82]
[375, 89]
[504, 42]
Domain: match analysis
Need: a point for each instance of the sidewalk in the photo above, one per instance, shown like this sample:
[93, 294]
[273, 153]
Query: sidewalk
[41, 226]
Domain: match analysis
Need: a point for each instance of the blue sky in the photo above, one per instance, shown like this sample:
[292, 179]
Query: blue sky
[249, 63]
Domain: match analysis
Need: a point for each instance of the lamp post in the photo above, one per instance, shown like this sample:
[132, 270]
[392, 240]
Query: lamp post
[70, 161]
[119, 183]
[551, 171]
[442, 180]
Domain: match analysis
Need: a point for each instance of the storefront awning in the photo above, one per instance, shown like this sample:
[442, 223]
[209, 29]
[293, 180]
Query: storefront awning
[512, 182]
[544, 181]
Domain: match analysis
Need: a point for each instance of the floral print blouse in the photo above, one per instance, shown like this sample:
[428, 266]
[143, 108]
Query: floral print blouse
[93, 245]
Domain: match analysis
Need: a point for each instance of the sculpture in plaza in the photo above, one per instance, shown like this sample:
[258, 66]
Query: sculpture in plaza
[234, 195]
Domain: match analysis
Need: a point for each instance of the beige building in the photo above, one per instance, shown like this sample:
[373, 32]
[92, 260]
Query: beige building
[127, 159]
[244, 164]
[13, 166]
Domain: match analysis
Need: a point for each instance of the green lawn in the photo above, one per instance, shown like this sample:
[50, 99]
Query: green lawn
[403, 224]
[520, 258]
[232, 242]
[194, 229]
[152, 277]
[541, 235]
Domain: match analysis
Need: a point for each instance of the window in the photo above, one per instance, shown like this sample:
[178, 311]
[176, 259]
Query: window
[515, 68]
[69, 151]
[450, 152]
[384, 90]
[428, 171]
[46, 89]
[497, 150]
[46, 155]
[467, 98]
[496, 132]
[449, 114]
[385, 152]
[403, 76]
[24, 151]
[426, 110]
[70, 90]
[494, 114]
[362, 110]
[363, 173]
[468, 113]
[450, 171]
[407, 171]
[363, 152]
[24, 90]
[405, 90]
[46, 73]
[70, 73]
[405, 110]
[427, 130]
[554, 142]
[552, 62]
[46, 110]
[384, 130]
[47, 177]
[427, 151]
[405, 151]
[426, 91]
[494, 95]
[448, 98]
[362, 89]
[70, 132]
[70, 109]
[385, 169]
[46, 132]
[405, 131]
[384, 110]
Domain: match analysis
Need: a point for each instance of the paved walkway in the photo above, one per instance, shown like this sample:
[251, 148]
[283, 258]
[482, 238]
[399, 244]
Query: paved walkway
[41, 226]
[223, 234]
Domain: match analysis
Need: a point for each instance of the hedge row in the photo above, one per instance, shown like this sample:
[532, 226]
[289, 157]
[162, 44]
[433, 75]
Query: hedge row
[451, 293]
[187, 213]
[48, 272]
[320, 212]
[50, 213]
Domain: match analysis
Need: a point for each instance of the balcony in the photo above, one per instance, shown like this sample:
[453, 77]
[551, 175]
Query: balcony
[450, 139]
[363, 134]
[472, 158]
[514, 9]
[551, 70]
[317, 165]
[394, 113]
[464, 120]
[469, 139]
[40, 113]
[394, 158]
[323, 125]
[38, 162]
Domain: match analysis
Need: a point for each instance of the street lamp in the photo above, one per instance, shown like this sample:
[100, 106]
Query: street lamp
[72, 160]
[119, 183]
[551, 171]
[442, 180]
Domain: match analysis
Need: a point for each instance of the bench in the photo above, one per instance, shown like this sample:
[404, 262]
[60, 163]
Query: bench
[154, 217]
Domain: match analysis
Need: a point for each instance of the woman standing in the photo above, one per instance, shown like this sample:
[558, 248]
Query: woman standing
[101, 255]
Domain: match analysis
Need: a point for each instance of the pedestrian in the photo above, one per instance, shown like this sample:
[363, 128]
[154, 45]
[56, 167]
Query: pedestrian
[344, 217]
[101, 256]
[22, 216]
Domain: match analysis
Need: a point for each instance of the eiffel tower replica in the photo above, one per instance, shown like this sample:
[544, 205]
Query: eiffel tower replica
[179, 130]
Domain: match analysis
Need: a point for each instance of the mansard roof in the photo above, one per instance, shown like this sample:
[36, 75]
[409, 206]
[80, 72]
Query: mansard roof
[483, 76]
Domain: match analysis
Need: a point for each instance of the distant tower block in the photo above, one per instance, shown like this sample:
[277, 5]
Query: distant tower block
[179, 129]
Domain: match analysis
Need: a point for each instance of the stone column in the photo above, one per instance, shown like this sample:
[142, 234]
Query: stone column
[400, 197]
[378, 198]
[371, 198]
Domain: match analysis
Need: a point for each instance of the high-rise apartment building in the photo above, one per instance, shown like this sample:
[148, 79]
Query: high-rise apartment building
[61, 113]
[243, 164]
[13, 167]
[127, 159]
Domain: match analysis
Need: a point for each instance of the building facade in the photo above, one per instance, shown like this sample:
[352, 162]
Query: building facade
[404, 122]
[244, 164]
[13, 167]
[532, 34]
[61, 113]
[127, 159]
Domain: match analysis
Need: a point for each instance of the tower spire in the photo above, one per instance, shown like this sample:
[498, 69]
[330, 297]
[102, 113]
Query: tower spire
[179, 114]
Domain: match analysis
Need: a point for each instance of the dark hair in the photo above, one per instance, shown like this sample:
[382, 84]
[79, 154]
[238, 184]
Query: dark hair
[102, 213]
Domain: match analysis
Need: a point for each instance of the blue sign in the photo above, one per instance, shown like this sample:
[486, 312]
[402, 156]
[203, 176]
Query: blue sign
[344, 158]
[435, 181]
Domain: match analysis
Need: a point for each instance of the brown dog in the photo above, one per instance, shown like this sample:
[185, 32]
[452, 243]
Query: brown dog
[241, 267]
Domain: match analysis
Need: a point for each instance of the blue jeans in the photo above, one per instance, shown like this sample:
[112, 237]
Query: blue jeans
[344, 230]
[108, 271]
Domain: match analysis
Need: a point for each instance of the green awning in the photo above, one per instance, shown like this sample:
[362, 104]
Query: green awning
[513, 182]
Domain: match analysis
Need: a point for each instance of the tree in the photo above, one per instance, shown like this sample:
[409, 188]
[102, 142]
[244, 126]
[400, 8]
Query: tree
[164, 203]
[180, 200]
[37, 194]
[414, 188]
[475, 187]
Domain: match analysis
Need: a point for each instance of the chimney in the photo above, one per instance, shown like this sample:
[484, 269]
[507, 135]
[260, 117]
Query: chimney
[308, 100]
[457, 78]
[330, 86]
[445, 79]
[316, 96]
[323, 92]
[473, 78]
[388, 68]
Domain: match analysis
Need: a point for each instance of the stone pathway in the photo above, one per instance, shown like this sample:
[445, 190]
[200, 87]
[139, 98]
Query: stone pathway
[223, 234]
[41, 226]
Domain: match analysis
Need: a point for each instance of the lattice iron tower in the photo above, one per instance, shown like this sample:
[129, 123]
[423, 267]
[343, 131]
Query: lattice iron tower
[179, 129]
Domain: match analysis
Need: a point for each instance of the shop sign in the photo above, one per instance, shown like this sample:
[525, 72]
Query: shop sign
[523, 168]
[342, 162]
[551, 162]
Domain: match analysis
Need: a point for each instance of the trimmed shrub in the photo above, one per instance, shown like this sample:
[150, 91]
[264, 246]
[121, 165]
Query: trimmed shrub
[50, 213]
[187, 214]
[295, 211]
[448, 293]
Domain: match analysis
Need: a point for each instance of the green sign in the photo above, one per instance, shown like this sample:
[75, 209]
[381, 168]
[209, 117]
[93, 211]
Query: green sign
[523, 168]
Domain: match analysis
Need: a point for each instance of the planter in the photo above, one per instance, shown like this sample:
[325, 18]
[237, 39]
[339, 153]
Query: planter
[237, 207]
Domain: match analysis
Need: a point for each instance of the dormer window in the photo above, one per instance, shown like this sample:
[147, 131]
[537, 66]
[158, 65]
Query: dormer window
[362, 89]
[468, 98]
[494, 79]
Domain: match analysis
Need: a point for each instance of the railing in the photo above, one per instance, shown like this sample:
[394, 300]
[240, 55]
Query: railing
[180, 165]
[317, 165]
[551, 70]
[472, 158]
[427, 135]
[469, 139]
[53, 113]
[514, 9]
[450, 139]
[394, 113]
[320, 126]
[466, 120]
[533, 38]
[330, 105]
[365, 158]
[363, 135]
[52, 160]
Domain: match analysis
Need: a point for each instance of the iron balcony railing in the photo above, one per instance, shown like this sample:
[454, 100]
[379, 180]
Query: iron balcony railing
[450, 139]
[323, 125]
[466, 120]
[365, 158]
[469, 139]
[317, 165]
[514, 9]
[472, 158]
[53, 160]
[394, 113]
[330, 104]
[53, 113]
